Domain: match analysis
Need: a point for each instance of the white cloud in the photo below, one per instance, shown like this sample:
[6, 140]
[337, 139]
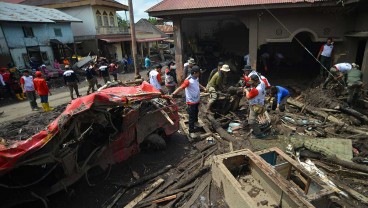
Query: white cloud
[139, 7]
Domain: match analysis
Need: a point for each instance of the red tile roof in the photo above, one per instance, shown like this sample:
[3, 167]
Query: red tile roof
[167, 29]
[167, 5]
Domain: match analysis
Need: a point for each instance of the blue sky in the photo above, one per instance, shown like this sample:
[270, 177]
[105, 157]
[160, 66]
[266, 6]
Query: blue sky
[139, 7]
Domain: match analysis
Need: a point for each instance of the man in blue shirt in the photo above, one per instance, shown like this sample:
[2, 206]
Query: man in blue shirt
[147, 63]
[281, 95]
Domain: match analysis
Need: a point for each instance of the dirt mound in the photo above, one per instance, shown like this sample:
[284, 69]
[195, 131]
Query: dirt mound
[321, 98]
[24, 128]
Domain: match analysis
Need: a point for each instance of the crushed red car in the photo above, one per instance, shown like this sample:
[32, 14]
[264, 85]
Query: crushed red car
[100, 129]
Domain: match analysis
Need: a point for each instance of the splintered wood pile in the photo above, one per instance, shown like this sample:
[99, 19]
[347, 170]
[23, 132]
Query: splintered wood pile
[307, 120]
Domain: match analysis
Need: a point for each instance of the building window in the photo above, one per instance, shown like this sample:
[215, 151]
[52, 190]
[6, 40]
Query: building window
[28, 32]
[112, 19]
[105, 19]
[99, 18]
[58, 32]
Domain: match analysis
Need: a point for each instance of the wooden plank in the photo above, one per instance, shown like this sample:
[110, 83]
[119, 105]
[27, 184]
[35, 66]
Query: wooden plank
[145, 193]
[199, 190]
[168, 198]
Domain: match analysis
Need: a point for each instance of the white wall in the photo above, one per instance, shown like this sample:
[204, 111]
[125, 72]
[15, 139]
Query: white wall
[84, 13]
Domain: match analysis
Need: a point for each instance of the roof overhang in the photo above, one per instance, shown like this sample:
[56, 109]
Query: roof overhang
[116, 5]
[142, 40]
[168, 13]
[361, 34]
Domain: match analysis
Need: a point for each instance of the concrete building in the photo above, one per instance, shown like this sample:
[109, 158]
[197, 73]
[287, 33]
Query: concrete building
[32, 32]
[235, 28]
[99, 33]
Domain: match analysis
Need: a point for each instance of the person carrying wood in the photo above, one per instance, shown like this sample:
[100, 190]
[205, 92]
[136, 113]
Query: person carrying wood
[215, 84]
[43, 91]
[280, 95]
[337, 72]
[355, 84]
[192, 96]
[256, 98]
[187, 68]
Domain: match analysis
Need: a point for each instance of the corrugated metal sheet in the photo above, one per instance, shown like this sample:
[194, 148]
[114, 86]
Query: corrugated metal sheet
[166, 5]
[24, 13]
[167, 29]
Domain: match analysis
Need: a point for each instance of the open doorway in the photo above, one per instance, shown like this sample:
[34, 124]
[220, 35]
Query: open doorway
[290, 60]
[212, 39]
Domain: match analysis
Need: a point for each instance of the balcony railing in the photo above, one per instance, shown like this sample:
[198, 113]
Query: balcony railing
[111, 30]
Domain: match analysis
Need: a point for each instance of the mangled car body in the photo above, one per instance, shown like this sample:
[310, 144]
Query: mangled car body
[100, 129]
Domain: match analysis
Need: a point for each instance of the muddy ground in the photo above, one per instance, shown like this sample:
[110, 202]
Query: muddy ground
[180, 150]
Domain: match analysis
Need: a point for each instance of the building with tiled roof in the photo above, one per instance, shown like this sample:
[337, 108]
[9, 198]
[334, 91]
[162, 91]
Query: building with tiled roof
[228, 30]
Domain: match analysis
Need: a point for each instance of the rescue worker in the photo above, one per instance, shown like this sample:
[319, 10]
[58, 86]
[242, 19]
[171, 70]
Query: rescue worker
[113, 69]
[187, 68]
[28, 87]
[155, 77]
[337, 72]
[256, 98]
[6, 77]
[170, 78]
[280, 95]
[43, 91]
[355, 84]
[216, 84]
[325, 53]
[71, 80]
[91, 76]
[248, 72]
[213, 72]
[192, 96]
[104, 73]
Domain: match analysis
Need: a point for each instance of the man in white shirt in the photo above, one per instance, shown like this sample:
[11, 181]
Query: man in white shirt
[337, 72]
[325, 53]
[155, 78]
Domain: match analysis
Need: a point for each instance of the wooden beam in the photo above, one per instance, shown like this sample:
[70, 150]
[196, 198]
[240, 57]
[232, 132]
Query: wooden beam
[178, 42]
[146, 192]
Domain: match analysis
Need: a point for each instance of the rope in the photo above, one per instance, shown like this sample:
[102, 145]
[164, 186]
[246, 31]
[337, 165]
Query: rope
[343, 84]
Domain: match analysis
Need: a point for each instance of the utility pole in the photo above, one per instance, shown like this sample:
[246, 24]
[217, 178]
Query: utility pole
[134, 41]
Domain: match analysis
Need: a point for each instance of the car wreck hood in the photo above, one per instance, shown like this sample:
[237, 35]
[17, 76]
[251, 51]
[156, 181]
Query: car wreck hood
[14, 151]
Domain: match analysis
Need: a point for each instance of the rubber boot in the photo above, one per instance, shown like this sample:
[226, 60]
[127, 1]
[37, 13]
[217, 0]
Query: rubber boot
[48, 107]
[23, 96]
[18, 97]
[44, 107]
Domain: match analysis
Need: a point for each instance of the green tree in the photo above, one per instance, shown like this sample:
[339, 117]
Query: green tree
[152, 20]
[122, 22]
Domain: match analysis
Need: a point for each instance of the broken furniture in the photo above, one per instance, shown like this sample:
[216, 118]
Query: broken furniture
[267, 178]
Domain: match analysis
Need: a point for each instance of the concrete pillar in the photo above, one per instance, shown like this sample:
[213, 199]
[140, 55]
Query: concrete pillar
[178, 42]
[253, 40]
[365, 66]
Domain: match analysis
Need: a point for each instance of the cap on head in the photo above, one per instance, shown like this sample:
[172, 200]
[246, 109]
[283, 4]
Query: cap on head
[195, 69]
[354, 65]
[191, 61]
[158, 66]
[253, 78]
[38, 74]
[225, 68]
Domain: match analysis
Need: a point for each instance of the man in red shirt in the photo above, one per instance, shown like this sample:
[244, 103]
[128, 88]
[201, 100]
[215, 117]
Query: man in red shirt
[42, 90]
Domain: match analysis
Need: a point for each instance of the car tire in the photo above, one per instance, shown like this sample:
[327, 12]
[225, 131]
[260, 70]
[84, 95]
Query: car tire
[153, 142]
